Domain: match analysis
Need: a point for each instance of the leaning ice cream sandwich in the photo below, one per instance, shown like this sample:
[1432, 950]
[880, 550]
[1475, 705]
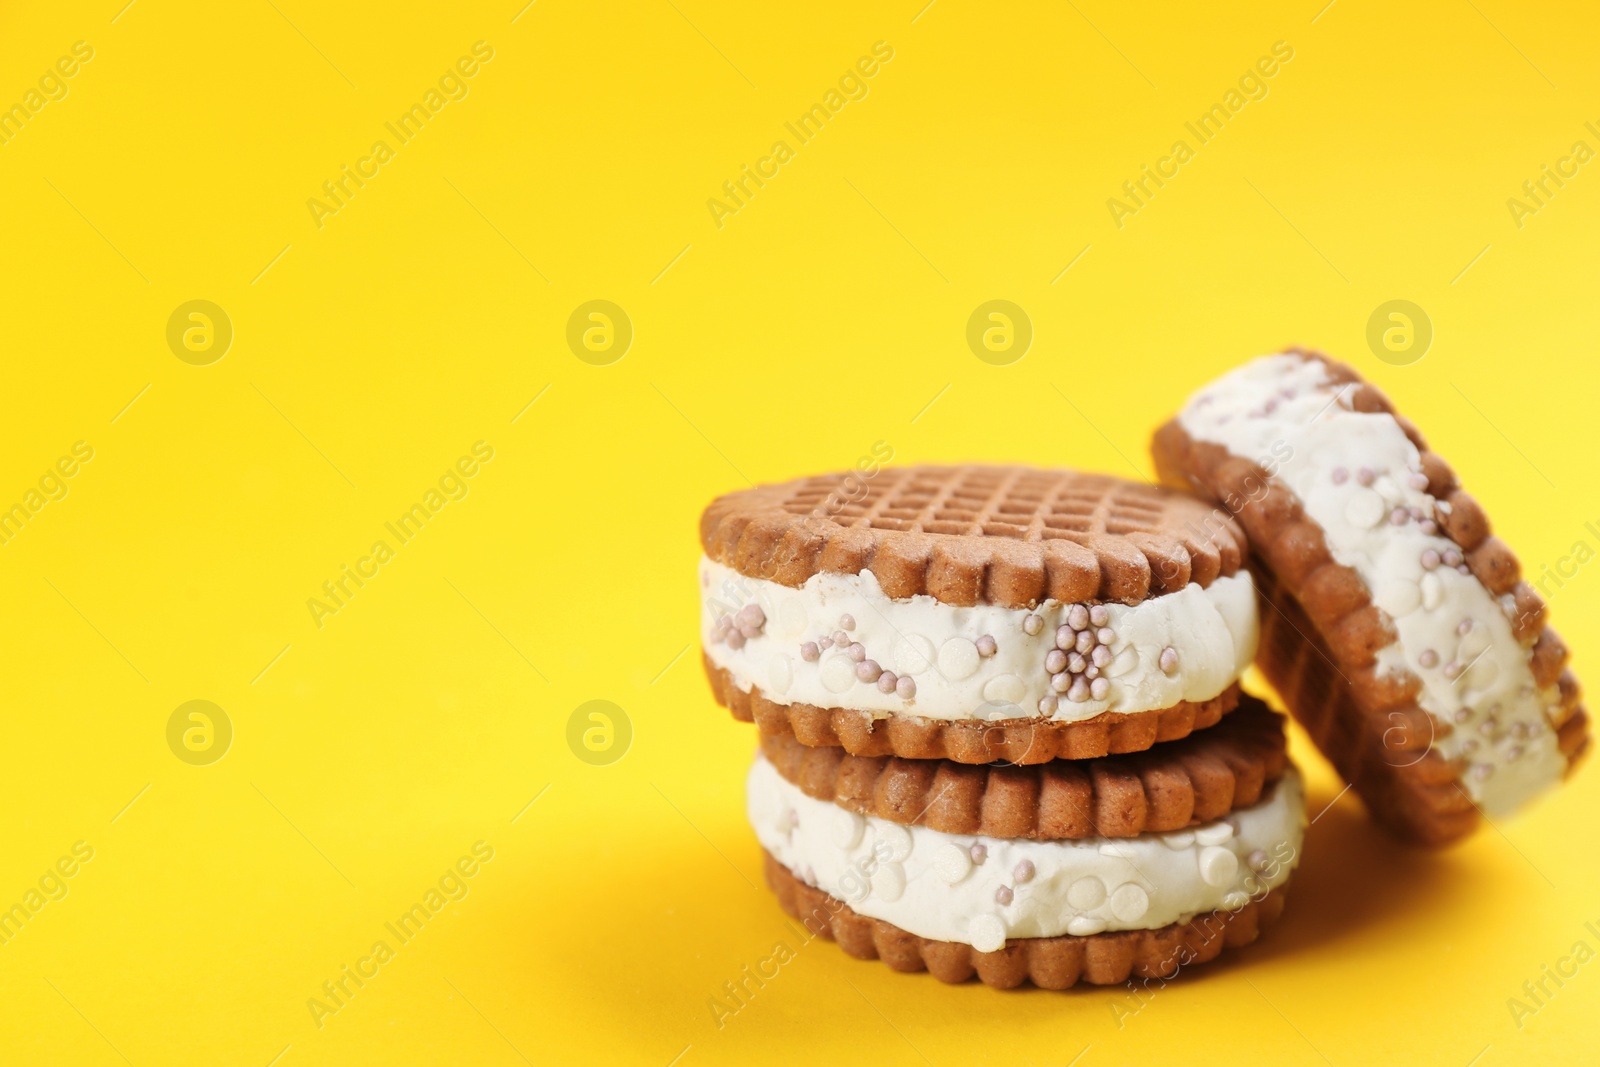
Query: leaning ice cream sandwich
[1395, 626]
[974, 613]
[1063, 872]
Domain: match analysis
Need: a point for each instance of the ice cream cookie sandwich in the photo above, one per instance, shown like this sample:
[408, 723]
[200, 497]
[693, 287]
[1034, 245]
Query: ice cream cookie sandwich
[1093, 871]
[974, 613]
[1395, 625]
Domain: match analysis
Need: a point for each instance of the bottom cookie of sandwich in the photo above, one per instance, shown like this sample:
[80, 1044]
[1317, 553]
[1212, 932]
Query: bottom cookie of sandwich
[1109, 958]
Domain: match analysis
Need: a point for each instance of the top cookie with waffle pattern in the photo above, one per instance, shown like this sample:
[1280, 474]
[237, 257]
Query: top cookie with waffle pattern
[964, 535]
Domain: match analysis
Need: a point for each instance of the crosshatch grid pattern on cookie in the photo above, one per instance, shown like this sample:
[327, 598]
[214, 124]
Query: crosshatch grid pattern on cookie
[1028, 505]
[1013, 536]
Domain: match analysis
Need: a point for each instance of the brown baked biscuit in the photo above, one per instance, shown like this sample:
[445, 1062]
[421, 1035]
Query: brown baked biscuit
[1408, 787]
[1395, 626]
[1014, 740]
[1011, 536]
[1047, 962]
[1182, 783]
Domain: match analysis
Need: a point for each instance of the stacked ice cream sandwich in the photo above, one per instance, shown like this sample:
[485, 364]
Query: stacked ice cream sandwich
[1001, 731]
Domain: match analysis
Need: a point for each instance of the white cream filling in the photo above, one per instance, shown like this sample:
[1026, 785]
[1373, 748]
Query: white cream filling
[1351, 471]
[928, 883]
[1211, 633]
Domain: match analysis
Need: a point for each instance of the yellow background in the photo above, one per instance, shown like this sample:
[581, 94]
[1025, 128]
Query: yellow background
[825, 316]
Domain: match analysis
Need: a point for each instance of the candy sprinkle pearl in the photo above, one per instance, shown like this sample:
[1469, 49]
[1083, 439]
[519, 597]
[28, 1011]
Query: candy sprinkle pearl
[886, 681]
[1048, 705]
[810, 652]
[1101, 656]
[1099, 615]
[1085, 642]
[905, 688]
[1168, 661]
[1099, 688]
[868, 670]
[1032, 625]
[1418, 481]
[1062, 683]
[986, 646]
[1452, 558]
[856, 650]
[1079, 692]
[1105, 635]
[841, 639]
[1430, 559]
[1340, 476]
[1428, 658]
[1056, 661]
[736, 640]
[1464, 628]
[1076, 663]
[1004, 895]
[1023, 872]
[847, 622]
[979, 852]
[1065, 637]
[1078, 617]
[1399, 517]
[1366, 476]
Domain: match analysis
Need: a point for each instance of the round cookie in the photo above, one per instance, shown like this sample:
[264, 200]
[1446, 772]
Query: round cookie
[1175, 785]
[974, 613]
[1395, 626]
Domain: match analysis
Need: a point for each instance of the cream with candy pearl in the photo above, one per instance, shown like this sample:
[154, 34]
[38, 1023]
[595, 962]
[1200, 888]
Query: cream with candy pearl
[1064, 662]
